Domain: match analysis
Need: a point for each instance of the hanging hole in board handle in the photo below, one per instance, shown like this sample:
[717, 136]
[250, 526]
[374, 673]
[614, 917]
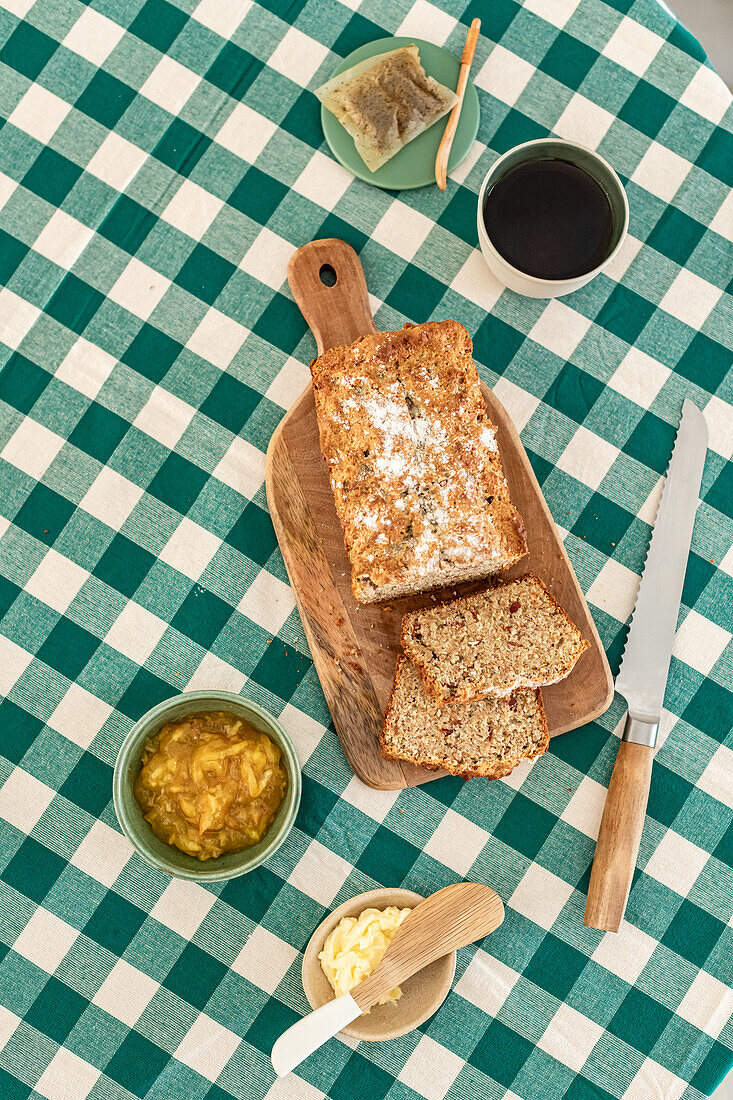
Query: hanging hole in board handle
[327, 275]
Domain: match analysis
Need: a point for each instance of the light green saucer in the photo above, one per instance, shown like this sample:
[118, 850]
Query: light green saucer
[413, 166]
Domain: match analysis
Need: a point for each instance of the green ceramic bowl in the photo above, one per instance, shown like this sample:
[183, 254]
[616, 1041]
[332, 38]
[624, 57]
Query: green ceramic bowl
[166, 858]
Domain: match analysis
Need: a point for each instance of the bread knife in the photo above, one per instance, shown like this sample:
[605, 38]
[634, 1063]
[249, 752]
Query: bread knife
[643, 675]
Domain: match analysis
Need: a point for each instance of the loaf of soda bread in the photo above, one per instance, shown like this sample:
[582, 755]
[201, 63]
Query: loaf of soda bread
[413, 461]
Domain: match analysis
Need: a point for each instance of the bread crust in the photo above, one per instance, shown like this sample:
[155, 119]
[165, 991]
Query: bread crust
[494, 770]
[437, 689]
[417, 479]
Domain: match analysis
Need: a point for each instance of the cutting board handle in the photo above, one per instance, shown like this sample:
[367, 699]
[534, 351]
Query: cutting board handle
[327, 281]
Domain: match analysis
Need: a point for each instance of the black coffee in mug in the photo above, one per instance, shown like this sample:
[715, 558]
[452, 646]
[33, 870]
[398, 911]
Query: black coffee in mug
[550, 219]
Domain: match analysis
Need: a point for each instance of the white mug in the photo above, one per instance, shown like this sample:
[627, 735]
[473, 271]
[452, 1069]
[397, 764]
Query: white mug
[596, 167]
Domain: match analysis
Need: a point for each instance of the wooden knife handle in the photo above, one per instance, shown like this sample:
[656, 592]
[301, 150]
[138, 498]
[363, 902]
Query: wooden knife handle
[619, 837]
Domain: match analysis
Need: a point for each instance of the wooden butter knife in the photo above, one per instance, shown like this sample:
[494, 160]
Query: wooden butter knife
[449, 919]
[446, 142]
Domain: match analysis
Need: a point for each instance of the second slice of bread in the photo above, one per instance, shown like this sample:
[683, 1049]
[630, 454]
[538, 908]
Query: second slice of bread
[514, 635]
[486, 738]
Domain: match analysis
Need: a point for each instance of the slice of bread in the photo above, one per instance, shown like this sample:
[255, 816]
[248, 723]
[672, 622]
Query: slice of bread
[486, 738]
[513, 635]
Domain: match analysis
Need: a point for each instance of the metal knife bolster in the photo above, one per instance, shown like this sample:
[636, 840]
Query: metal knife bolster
[640, 731]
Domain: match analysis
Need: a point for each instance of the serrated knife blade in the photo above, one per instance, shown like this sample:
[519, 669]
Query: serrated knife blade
[642, 677]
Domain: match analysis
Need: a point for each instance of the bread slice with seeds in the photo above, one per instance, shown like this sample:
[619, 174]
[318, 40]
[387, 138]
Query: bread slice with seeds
[513, 635]
[487, 738]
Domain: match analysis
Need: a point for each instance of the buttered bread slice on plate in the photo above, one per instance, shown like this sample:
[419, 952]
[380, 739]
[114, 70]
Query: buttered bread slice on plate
[413, 460]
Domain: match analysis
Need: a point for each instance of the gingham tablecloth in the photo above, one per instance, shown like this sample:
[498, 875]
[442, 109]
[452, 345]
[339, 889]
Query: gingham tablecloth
[159, 162]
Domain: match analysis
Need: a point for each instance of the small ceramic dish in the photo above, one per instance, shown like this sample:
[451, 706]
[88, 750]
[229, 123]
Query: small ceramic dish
[171, 860]
[596, 167]
[422, 994]
[413, 166]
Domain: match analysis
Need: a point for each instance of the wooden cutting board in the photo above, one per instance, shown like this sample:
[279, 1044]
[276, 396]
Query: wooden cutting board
[355, 648]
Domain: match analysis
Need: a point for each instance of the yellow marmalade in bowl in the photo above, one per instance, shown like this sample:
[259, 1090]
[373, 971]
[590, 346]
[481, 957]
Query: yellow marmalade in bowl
[211, 783]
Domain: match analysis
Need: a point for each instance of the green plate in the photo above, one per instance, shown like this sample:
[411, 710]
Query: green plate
[413, 166]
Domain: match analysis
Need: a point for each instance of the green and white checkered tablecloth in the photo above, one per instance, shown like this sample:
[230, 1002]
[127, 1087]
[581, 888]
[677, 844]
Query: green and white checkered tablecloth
[159, 161]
